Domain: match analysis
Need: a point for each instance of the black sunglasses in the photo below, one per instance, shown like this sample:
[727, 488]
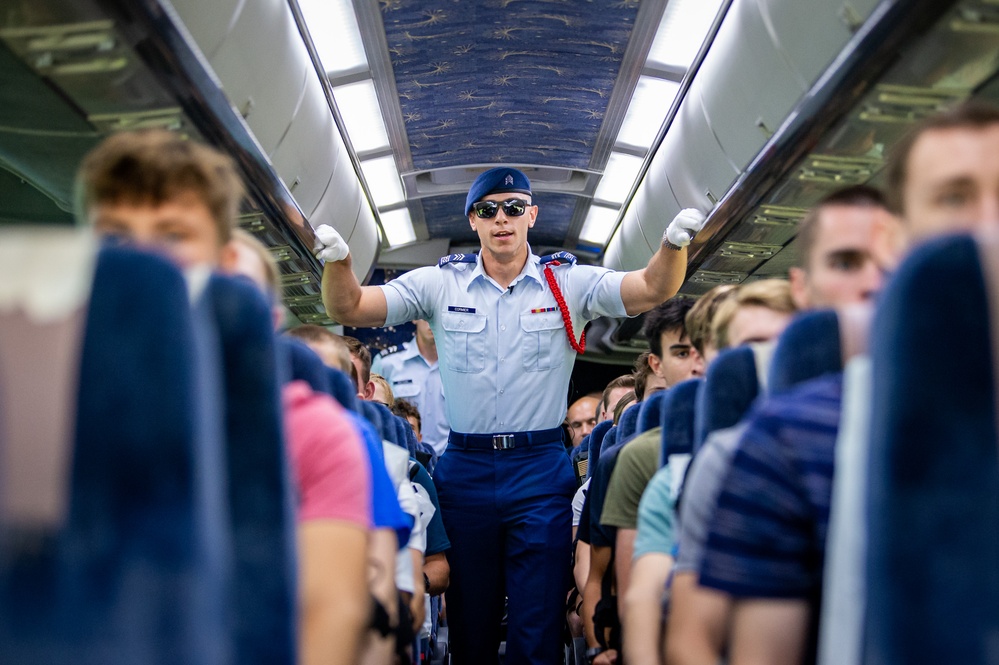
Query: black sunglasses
[511, 208]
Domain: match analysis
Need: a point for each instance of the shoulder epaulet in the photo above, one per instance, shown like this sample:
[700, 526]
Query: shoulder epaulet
[558, 258]
[389, 350]
[456, 258]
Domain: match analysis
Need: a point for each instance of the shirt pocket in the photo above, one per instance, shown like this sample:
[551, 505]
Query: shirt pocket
[544, 340]
[464, 341]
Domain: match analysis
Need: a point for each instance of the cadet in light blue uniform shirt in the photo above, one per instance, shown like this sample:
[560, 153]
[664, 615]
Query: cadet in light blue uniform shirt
[507, 325]
[413, 372]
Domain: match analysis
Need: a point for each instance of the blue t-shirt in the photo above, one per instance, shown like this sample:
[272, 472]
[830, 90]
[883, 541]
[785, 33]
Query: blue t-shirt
[768, 535]
[385, 510]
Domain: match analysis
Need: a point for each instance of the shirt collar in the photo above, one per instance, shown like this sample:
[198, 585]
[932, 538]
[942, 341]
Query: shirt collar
[531, 269]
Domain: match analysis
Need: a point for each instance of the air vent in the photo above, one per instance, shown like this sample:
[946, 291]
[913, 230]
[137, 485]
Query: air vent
[314, 317]
[838, 171]
[745, 250]
[906, 104]
[716, 278]
[780, 216]
[304, 301]
[978, 17]
[79, 48]
[170, 118]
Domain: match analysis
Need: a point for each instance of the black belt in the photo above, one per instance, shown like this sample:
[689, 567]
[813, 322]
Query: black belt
[505, 441]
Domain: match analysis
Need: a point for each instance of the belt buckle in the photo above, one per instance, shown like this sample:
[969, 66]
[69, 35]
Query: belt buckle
[504, 442]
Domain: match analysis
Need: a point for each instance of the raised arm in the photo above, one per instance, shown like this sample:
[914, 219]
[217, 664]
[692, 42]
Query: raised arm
[346, 301]
[659, 281]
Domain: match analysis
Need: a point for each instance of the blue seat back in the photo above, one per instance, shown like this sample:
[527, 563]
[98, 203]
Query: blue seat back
[343, 389]
[628, 423]
[678, 408]
[303, 364]
[730, 387]
[808, 348]
[260, 495]
[608, 440]
[137, 571]
[371, 413]
[596, 441]
[650, 415]
[933, 591]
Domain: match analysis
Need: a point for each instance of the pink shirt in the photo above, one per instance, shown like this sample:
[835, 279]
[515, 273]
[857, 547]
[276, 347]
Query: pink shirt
[332, 474]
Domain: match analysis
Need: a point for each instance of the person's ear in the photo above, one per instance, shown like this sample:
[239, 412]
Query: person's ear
[798, 279]
[655, 364]
[532, 216]
[228, 257]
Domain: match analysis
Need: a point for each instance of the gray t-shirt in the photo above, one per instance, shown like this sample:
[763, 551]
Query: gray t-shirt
[708, 471]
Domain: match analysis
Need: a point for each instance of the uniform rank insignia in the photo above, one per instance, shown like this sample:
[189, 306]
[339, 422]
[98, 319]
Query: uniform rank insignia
[558, 258]
[457, 258]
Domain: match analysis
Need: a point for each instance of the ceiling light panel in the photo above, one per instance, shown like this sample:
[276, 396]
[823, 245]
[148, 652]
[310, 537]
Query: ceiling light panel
[599, 223]
[383, 181]
[333, 27]
[358, 106]
[398, 227]
[684, 26]
[646, 112]
[619, 175]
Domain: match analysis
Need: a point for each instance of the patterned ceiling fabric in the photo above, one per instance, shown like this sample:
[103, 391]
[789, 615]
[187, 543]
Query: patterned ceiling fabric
[444, 219]
[505, 81]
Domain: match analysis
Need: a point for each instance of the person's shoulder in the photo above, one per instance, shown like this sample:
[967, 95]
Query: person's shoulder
[391, 350]
[556, 259]
[459, 261]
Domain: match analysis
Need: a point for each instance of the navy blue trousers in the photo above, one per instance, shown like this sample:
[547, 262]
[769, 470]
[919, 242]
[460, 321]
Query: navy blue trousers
[508, 516]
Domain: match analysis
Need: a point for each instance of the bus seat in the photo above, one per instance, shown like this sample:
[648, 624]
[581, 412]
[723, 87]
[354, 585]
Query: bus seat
[609, 439]
[403, 432]
[107, 550]
[343, 389]
[730, 387]
[808, 348]
[627, 425]
[304, 364]
[260, 496]
[650, 415]
[371, 414]
[678, 419]
[596, 442]
[933, 591]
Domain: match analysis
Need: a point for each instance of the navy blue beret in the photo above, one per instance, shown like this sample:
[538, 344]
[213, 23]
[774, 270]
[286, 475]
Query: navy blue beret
[496, 181]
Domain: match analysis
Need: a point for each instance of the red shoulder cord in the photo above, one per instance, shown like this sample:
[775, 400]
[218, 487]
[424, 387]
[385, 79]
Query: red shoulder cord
[560, 300]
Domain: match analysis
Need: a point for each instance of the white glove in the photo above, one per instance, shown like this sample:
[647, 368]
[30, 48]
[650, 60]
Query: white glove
[330, 245]
[684, 227]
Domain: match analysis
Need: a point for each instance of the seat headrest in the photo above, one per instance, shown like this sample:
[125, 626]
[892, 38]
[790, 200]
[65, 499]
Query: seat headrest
[388, 430]
[650, 415]
[730, 387]
[372, 415]
[627, 424]
[678, 408]
[596, 439]
[303, 364]
[608, 440]
[808, 348]
[343, 389]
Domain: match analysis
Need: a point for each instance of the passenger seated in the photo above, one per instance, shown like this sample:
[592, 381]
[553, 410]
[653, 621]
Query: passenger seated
[582, 417]
[332, 348]
[383, 391]
[834, 267]
[158, 190]
[333, 479]
[110, 545]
